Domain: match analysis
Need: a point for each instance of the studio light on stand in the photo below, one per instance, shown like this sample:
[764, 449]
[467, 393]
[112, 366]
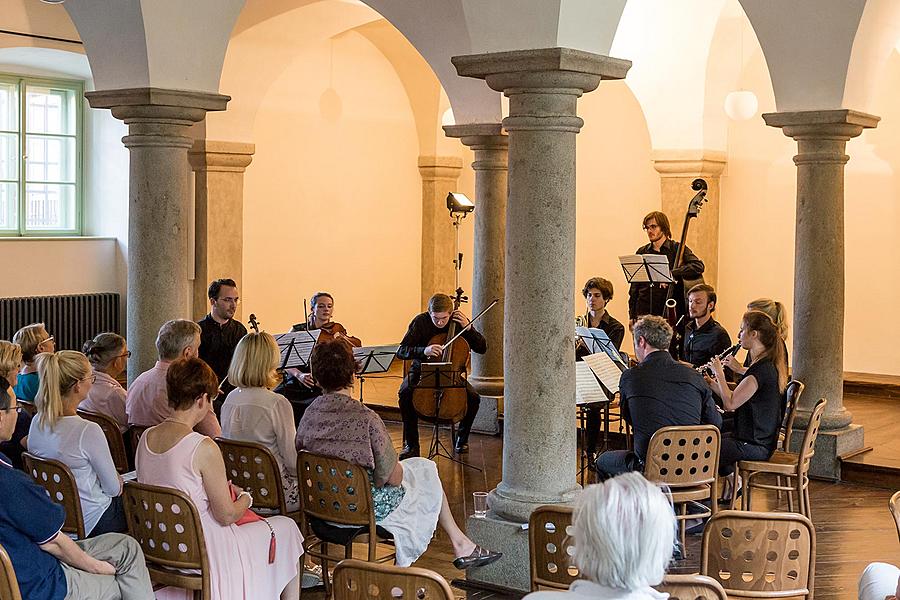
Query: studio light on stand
[459, 206]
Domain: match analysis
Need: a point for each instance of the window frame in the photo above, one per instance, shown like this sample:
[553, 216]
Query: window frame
[77, 87]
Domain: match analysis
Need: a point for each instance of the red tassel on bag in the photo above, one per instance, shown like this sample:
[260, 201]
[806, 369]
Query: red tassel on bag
[271, 543]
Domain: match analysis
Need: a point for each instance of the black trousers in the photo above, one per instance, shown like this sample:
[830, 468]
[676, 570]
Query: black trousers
[411, 419]
[733, 451]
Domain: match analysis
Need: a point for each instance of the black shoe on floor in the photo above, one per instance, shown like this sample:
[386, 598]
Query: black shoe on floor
[461, 448]
[479, 557]
[409, 452]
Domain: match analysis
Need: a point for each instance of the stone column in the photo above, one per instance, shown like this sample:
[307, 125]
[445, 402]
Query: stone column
[491, 146]
[439, 177]
[218, 215]
[818, 352]
[677, 169]
[539, 456]
[158, 207]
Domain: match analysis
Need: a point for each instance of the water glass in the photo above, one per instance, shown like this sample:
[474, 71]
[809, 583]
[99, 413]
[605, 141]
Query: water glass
[481, 506]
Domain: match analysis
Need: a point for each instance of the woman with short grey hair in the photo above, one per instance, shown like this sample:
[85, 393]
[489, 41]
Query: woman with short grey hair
[624, 531]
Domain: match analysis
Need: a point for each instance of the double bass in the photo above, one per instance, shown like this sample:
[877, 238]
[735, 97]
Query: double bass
[447, 402]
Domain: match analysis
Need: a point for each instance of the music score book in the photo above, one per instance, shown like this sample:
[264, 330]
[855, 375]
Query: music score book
[587, 388]
[606, 371]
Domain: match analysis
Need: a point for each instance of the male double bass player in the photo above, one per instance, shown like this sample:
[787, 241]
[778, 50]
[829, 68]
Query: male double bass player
[416, 346]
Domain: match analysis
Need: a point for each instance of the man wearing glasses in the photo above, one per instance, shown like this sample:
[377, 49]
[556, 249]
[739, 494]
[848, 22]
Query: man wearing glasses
[219, 332]
[656, 224]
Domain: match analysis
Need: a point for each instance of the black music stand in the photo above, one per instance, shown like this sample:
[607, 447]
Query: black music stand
[295, 347]
[647, 268]
[438, 377]
[371, 360]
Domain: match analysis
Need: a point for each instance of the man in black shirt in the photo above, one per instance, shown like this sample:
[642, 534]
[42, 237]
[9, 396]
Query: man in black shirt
[703, 336]
[657, 393]
[416, 346]
[219, 332]
[644, 300]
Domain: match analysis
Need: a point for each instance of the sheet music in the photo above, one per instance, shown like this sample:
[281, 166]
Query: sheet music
[605, 369]
[598, 341]
[296, 346]
[657, 269]
[376, 359]
[587, 390]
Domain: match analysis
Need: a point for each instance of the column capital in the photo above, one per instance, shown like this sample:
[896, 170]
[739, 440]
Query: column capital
[209, 155]
[689, 163]
[838, 125]
[433, 168]
[488, 140]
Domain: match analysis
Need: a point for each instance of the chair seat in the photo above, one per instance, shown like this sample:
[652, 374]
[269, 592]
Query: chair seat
[173, 577]
[700, 492]
[334, 534]
[780, 463]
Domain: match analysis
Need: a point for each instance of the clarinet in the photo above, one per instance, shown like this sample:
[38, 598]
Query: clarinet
[707, 368]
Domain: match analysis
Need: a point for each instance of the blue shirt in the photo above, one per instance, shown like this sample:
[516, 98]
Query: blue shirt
[28, 519]
[27, 386]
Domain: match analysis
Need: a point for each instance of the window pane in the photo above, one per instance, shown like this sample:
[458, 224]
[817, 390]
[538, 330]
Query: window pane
[49, 159]
[49, 206]
[9, 156]
[9, 107]
[9, 205]
[49, 110]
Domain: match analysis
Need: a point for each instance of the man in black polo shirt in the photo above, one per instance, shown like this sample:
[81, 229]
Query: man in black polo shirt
[219, 332]
[657, 393]
[49, 565]
[703, 336]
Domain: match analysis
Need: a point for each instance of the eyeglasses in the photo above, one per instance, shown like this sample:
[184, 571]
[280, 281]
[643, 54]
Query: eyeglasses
[126, 355]
[229, 300]
[651, 226]
[49, 339]
[92, 378]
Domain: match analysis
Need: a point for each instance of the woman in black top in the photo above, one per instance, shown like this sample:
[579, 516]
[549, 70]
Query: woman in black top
[758, 400]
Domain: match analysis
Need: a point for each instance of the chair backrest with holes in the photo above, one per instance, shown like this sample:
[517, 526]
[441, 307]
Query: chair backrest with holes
[334, 490]
[683, 455]
[57, 479]
[768, 554]
[113, 437]
[894, 505]
[692, 587]
[359, 580]
[792, 394]
[552, 547]
[166, 524]
[808, 446]
[252, 466]
[9, 586]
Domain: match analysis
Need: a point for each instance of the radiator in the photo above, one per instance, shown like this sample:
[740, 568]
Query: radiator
[71, 320]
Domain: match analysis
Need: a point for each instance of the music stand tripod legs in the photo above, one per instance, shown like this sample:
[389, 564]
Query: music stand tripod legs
[437, 447]
[437, 377]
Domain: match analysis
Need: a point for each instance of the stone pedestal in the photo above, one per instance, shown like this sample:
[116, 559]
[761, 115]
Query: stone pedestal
[539, 454]
[218, 215]
[819, 271]
[439, 177]
[159, 206]
[508, 537]
[677, 169]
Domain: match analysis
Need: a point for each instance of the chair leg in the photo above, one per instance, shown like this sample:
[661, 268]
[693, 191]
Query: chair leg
[745, 495]
[790, 500]
[683, 526]
[325, 578]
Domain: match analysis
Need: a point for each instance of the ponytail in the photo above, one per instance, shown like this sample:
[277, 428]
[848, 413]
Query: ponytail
[57, 373]
[103, 349]
[762, 323]
[775, 310]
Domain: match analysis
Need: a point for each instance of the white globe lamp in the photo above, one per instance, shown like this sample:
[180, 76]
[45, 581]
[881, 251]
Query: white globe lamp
[741, 105]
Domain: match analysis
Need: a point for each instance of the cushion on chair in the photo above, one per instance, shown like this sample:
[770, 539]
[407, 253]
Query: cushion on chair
[334, 534]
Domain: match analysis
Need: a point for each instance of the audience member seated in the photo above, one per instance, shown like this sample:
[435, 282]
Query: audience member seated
[880, 581]
[758, 400]
[108, 354]
[146, 403]
[408, 499]
[48, 564]
[174, 455]
[624, 529]
[10, 363]
[658, 392]
[254, 413]
[58, 433]
[33, 339]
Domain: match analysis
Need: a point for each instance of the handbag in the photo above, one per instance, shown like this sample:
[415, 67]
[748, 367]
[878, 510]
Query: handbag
[251, 517]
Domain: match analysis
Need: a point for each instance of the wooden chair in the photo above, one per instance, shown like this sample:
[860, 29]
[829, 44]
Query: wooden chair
[134, 433]
[9, 586]
[894, 505]
[113, 437]
[252, 466]
[336, 491]
[692, 587]
[57, 479]
[760, 555]
[792, 466]
[792, 394]
[360, 580]
[686, 458]
[551, 548]
[27, 406]
[166, 524]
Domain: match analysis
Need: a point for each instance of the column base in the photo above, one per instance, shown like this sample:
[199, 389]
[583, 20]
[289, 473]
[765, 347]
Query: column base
[518, 506]
[487, 420]
[513, 570]
[830, 446]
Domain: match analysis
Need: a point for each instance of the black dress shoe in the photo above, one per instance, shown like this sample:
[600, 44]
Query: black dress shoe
[408, 452]
[461, 448]
[479, 558]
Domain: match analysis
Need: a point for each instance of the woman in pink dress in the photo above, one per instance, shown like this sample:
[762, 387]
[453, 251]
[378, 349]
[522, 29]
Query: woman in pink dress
[173, 455]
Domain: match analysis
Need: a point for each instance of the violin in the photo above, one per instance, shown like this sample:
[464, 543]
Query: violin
[334, 330]
[447, 403]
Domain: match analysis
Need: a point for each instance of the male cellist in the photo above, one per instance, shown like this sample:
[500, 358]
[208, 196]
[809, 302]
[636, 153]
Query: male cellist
[417, 346]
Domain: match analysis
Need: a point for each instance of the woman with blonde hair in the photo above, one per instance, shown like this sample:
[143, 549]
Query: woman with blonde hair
[58, 433]
[33, 340]
[778, 314]
[108, 355]
[252, 412]
[10, 363]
